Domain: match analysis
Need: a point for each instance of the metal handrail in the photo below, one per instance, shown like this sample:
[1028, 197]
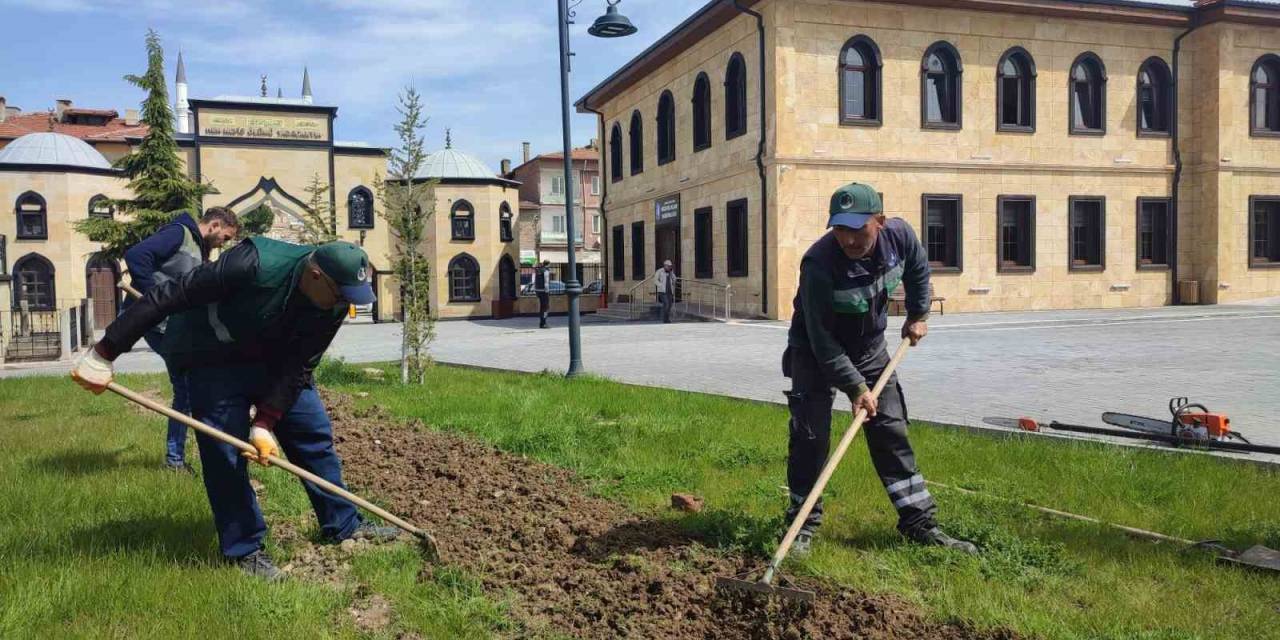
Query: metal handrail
[700, 292]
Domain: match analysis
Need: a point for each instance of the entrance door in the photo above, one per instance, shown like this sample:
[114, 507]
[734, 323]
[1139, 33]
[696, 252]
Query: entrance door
[102, 278]
[667, 247]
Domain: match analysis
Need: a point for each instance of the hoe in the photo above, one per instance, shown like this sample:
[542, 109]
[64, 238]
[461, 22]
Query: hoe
[765, 585]
[426, 542]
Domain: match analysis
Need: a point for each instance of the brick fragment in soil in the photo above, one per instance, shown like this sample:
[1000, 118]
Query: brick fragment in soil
[584, 566]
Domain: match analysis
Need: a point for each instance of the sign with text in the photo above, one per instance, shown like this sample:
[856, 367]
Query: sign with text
[667, 209]
[264, 126]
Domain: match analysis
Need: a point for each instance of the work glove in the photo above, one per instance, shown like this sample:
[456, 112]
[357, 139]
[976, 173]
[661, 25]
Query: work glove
[265, 442]
[92, 371]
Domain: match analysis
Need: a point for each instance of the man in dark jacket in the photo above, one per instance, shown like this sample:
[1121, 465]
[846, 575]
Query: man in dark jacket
[837, 340]
[165, 255]
[542, 275]
[248, 330]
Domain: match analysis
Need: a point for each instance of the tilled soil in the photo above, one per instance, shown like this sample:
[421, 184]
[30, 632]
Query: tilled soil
[574, 564]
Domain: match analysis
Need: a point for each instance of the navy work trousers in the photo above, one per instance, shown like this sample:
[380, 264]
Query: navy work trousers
[810, 401]
[175, 452]
[221, 397]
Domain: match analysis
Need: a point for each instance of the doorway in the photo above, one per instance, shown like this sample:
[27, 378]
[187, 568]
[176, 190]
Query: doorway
[102, 278]
[667, 247]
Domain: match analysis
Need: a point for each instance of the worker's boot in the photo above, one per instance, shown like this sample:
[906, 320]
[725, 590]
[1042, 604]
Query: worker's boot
[803, 543]
[933, 536]
[374, 533]
[259, 565]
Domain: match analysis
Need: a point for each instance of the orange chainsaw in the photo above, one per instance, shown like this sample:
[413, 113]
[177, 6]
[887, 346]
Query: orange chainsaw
[1191, 422]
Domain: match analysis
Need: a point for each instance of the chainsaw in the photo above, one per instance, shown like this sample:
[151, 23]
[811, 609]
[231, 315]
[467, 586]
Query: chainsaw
[1191, 422]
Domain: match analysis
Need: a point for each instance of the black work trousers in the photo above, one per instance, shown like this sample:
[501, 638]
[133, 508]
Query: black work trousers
[810, 401]
[544, 306]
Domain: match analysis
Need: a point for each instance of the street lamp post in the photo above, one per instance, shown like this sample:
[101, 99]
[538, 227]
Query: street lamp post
[611, 25]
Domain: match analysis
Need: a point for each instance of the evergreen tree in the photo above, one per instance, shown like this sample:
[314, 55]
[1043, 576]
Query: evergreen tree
[319, 222]
[157, 179]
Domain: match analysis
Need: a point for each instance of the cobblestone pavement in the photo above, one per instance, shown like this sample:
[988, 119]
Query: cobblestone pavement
[1063, 365]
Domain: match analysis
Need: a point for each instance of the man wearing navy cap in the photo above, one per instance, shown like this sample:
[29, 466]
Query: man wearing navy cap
[837, 340]
[248, 330]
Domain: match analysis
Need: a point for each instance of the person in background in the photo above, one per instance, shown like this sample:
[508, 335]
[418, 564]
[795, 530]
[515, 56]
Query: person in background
[164, 256]
[664, 283]
[541, 275]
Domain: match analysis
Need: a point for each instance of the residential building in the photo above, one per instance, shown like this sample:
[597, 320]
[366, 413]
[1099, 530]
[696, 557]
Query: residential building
[542, 204]
[1051, 154]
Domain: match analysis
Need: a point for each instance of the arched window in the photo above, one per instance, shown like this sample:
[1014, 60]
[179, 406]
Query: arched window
[666, 128]
[462, 220]
[464, 279]
[1088, 95]
[735, 97]
[1264, 96]
[1154, 97]
[360, 209]
[1016, 91]
[33, 283]
[100, 207]
[615, 153]
[506, 278]
[701, 112]
[860, 82]
[33, 217]
[940, 87]
[637, 143]
[505, 232]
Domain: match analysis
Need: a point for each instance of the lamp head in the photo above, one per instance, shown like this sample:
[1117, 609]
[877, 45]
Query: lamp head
[612, 24]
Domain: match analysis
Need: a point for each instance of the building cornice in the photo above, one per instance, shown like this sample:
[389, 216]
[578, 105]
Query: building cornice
[199, 103]
[60, 168]
[971, 165]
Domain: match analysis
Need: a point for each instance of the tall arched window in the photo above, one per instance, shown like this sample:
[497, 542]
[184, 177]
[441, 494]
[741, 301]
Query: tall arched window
[735, 97]
[505, 231]
[615, 153]
[100, 207]
[666, 128]
[33, 217]
[860, 81]
[1016, 91]
[1154, 97]
[1264, 96]
[1088, 95]
[462, 220]
[360, 209]
[464, 279]
[33, 283]
[701, 112]
[636, 139]
[507, 278]
[940, 87]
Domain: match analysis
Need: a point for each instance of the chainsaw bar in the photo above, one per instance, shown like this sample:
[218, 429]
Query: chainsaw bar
[1139, 423]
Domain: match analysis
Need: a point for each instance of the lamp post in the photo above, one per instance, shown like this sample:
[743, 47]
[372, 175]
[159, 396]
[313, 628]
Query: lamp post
[610, 25]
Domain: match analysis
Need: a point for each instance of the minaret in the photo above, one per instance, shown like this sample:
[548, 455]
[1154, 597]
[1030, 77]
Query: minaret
[306, 85]
[279, 92]
[181, 108]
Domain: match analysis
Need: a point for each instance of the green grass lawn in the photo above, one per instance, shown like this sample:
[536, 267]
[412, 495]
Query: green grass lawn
[99, 542]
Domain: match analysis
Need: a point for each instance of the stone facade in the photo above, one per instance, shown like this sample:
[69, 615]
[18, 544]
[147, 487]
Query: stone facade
[808, 152]
[487, 248]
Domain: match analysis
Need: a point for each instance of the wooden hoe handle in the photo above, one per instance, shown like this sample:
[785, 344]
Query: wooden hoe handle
[832, 463]
[274, 460]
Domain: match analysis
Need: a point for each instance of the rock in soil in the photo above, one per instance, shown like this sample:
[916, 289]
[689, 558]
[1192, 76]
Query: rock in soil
[686, 502]
[573, 564]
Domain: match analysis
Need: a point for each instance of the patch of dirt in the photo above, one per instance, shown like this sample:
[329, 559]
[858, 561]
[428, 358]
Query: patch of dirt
[371, 613]
[585, 566]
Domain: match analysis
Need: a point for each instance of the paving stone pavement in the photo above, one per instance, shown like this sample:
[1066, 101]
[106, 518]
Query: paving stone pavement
[1064, 365]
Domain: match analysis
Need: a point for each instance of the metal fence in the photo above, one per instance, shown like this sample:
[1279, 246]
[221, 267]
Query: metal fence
[590, 275]
[32, 335]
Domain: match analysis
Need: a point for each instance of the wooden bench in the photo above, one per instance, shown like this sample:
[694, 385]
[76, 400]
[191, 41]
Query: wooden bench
[898, 300]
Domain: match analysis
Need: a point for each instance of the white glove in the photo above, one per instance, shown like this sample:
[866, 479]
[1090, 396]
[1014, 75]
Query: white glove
[92, 371]
[265, 442]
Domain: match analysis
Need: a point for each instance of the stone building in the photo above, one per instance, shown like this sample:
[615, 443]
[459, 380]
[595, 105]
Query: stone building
[1044, 150]
[542, 190]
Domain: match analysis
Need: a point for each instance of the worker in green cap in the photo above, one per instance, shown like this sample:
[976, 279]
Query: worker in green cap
[836, 341]
[248, 330]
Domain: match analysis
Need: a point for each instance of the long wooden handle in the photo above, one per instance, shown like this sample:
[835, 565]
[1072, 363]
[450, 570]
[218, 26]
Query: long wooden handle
[274, 460]
[832, 463]
[130, 290]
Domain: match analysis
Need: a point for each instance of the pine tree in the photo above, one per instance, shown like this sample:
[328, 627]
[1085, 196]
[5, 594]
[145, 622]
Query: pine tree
[319, 221]
[157, 179]
[407, 204]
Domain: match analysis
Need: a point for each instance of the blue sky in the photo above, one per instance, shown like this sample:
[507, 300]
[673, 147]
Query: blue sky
[487, 69]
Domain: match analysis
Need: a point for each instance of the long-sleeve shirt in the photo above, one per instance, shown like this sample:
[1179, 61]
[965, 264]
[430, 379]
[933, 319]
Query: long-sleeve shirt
[145, 259]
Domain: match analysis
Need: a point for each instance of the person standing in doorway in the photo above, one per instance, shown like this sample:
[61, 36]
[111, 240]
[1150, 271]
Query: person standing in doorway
[167, 255]
[541, 274]
[664, 283]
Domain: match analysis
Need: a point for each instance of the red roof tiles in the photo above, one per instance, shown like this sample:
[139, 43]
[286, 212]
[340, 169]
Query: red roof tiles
[115, 130]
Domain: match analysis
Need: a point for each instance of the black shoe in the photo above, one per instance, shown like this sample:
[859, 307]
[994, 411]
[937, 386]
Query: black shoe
[803, 543]
[259, 565]
[933, 536]
[374, 533]
[181, 467]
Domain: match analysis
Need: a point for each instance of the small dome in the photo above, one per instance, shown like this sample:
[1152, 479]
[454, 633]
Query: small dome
[451, 163]
[54, 149]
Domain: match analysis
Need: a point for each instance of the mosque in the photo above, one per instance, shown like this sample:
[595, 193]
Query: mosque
[256, 151]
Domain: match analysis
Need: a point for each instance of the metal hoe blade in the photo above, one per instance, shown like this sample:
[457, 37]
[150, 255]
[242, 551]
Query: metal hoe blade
[764, 588]
[1257, 557]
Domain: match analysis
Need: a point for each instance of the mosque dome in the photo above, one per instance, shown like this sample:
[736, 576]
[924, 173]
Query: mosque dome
[450, 163]
[51, 148]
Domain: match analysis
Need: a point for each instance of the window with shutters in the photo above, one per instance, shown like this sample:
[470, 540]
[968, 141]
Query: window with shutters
[617, 253]
[637, 251]
[703, 256]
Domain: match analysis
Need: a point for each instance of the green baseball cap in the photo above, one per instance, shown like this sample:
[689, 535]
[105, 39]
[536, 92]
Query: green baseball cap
[348, 265]
[853, 204]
